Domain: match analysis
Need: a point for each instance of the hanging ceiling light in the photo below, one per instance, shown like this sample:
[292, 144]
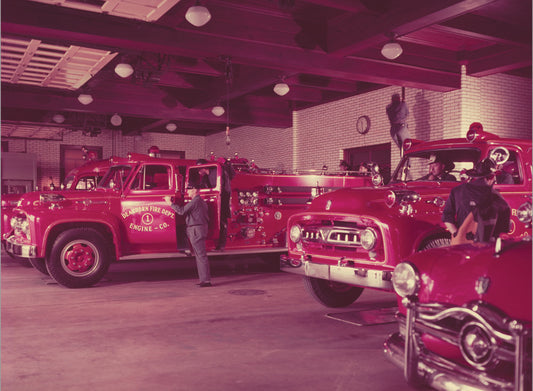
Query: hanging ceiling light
[85, 99]
[218, 110]
[198, 15]
[392, 50]
[116, 120]
[124, 70]
[58, 118]
[281, 88]
[171, 127]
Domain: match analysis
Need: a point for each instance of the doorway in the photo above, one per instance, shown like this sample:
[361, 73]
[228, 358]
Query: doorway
[379, 153]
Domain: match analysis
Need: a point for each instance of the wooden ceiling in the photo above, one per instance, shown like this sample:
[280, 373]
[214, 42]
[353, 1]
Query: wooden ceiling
[325, 50]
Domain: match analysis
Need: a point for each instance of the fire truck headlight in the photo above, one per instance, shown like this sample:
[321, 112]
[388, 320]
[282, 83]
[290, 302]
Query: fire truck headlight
[295, 233]
[405, 279]
[368, 239]
[20, 225]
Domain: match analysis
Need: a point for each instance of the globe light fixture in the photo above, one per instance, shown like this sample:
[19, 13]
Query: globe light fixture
[391, 50]
[58, 118]
[218, 110]
[281, 89]
[198, 15]
[124, 70]
[116, 120]
[85, 99]
[171, 127]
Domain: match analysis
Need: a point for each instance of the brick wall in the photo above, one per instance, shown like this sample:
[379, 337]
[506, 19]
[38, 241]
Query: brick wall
[267, 147]
[112, 143]
[502, 103]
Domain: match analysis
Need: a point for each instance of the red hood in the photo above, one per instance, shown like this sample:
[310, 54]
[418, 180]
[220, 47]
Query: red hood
[450, 274]
[358, 200]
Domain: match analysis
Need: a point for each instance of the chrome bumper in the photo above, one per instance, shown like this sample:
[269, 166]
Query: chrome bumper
[20, 249]
[365, 277]
[439, 373]
[421, 365]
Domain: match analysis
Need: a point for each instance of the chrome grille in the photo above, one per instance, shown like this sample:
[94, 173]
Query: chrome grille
[312, 235]
[344, 237]
[347, 237]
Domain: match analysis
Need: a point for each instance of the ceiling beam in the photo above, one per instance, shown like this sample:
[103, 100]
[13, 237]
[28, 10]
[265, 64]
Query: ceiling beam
[151, 107]
[360, 31]
[113, 32]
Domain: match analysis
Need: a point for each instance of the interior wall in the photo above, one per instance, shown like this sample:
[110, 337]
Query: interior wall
[267, 147]
[113, 143]
[502, 103]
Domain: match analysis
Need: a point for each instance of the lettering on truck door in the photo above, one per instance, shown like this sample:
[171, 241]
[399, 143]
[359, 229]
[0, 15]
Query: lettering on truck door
[149, 222]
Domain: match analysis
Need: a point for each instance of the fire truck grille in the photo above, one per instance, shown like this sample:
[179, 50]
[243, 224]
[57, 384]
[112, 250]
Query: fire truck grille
[333, 236]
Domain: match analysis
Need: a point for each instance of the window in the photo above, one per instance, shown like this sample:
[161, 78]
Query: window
[206, 177]
[116, 177]
[416, 166]
[152, 177]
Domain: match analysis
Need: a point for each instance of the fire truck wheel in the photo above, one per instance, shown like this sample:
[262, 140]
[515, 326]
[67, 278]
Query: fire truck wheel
[332, 294]
[79, 258]
[434, 242]
[39, 264]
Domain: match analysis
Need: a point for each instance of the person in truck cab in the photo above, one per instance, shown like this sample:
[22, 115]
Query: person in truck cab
[475, 202]
[439, 170]
[207, 178]
[197, 221]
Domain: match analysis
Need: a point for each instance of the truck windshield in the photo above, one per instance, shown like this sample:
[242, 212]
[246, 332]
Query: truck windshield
[447, 165]
[116, 177]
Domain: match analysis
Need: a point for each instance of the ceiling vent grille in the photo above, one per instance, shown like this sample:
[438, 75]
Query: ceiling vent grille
[33, 62]
[145, 10]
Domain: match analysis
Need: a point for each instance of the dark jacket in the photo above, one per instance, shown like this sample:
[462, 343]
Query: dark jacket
[195, 211]
[477, 197]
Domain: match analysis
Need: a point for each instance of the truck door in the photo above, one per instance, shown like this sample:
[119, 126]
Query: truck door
[149, 222]
[208, 177]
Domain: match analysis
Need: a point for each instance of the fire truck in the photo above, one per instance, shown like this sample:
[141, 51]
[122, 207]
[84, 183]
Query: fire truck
[352, 239]
[75, 236]
[84, 177]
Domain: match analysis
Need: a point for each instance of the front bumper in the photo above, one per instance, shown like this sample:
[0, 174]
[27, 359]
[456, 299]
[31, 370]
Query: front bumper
[22, 250]
[344, 273]
[509, 341]
[439, 373]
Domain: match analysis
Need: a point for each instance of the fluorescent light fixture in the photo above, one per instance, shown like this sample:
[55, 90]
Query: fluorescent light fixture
[116, 120]
[391, 50]
[171, 127]
[124, 70]
[218, 110]
[281, 89]
[198, 15]
[85, 99]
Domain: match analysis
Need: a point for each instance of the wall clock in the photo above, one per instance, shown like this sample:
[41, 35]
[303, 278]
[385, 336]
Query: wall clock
[363, 124]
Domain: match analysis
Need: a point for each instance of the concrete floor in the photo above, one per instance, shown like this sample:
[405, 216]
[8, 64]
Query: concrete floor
[147, 326]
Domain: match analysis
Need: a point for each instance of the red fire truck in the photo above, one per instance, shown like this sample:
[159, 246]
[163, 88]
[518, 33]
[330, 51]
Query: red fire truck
[85, 177]
[352, 239]
[74, 236]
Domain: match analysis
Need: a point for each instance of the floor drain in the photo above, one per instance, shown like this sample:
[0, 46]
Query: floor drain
[247, 292]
